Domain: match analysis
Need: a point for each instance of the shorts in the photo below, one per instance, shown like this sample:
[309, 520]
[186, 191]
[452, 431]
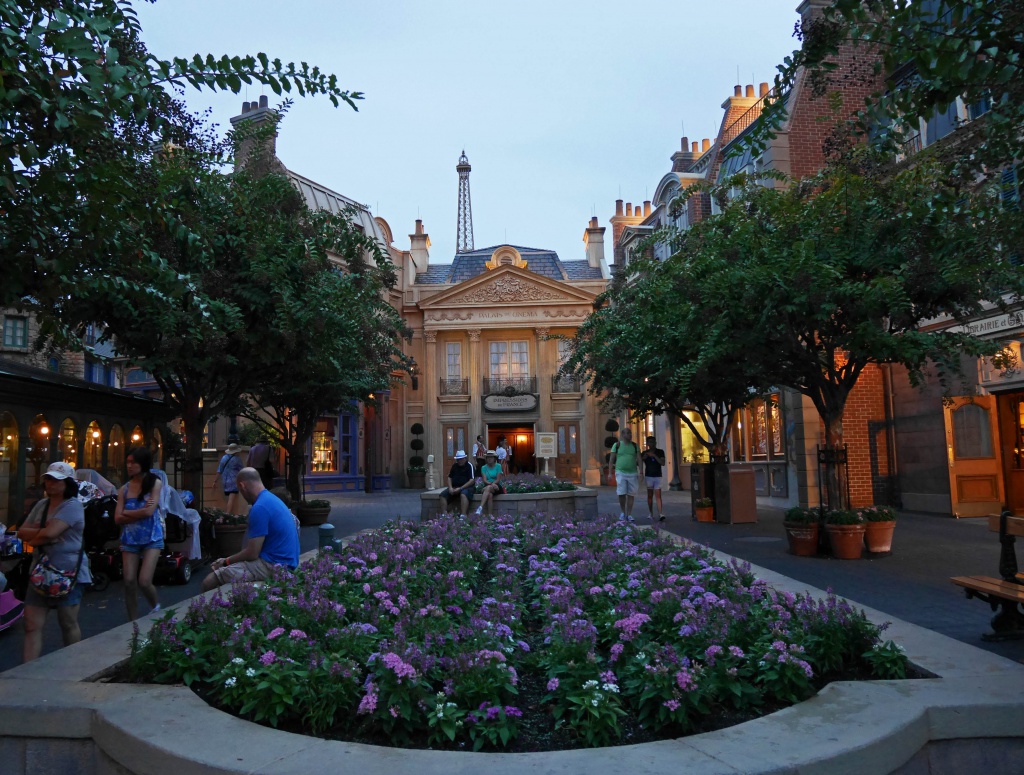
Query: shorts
[498, 486]
[140, 548]
[37, 600]
[626, 484]
[454, 497]
[250, 570]
[653, 482]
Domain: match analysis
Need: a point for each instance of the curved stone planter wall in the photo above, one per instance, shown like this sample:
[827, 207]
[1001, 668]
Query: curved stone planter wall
[56, 717]
[582, 502]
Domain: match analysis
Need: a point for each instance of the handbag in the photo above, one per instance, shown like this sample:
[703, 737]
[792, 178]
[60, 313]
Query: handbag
[49, 580]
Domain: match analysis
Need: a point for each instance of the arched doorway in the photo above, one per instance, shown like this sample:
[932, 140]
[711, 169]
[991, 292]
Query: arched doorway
[69, 442]
[8, 468]
[93, 451]
[37, 455]
[138, 438]
[115, 455]
[156, 446]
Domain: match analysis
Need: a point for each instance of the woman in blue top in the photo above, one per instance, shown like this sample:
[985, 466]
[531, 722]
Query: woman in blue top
[142, 532]
[491, 474]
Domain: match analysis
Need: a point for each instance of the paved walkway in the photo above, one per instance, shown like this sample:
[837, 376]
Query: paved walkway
[911, 584]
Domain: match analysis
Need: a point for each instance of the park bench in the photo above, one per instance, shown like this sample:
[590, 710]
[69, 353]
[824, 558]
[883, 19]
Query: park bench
[1004, 594]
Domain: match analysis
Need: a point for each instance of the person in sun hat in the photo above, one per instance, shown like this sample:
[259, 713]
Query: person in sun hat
[55, 527]
[461, 480]
[491, 473]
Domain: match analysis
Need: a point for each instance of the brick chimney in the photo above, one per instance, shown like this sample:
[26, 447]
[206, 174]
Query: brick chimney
[682, 160]
[593, 238]
[257, 113]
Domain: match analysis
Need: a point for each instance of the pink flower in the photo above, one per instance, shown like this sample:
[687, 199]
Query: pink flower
[369, 702]
[672, 705]
[297, 634]
[393, 710]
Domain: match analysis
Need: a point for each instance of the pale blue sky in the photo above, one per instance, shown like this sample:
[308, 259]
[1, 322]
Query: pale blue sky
[562, 107]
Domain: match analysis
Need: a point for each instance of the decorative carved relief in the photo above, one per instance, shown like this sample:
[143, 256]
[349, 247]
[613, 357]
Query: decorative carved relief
[563, 313]
[450, 316]
[430, 336]
[474, 334]
[542, 332]
[509, 288]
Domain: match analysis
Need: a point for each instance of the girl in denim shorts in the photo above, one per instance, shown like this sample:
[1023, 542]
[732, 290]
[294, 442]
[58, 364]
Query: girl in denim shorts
[142, 532]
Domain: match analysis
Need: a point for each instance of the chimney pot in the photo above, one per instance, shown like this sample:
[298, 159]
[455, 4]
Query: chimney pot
[763, 89]
[264, 101]
[737, 91]
[750, 90]
[686, 142]
[419, 226]
[647, 207]
[618, 207]
[705, 145]
[245, 107]
[629, 209]
[693, 148]
[593, 222]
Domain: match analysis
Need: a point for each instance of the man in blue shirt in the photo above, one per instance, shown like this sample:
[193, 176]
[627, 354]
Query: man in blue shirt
[272, 538]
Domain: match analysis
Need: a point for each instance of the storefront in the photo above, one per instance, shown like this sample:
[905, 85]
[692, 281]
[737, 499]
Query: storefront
[47, 417]
[333, 454]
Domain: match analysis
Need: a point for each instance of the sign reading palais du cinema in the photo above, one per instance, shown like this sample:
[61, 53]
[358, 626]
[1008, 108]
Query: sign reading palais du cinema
[521, 402]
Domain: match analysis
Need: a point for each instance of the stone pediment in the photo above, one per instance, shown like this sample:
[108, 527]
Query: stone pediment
[508, 285]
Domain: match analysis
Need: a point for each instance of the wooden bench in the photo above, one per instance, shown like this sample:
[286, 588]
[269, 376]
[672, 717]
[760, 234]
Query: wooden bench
[1005, 594]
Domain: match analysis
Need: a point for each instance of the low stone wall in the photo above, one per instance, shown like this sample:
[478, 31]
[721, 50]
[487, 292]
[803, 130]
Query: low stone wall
[581, 502]
[58, 716]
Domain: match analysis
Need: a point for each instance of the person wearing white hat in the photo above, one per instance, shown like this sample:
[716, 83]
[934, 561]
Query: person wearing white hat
[55, 527]
[461, 480]
[228, 470]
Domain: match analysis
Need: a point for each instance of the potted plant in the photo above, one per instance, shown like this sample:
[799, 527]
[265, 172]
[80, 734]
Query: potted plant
[416, 472]
[802, 531]
[314, 512]
[704, 508]
[228, 530]
[845, 534]
[879, 523]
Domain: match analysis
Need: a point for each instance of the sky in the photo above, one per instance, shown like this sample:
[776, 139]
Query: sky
[561, 107]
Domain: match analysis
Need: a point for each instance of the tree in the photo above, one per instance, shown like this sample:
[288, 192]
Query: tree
[930, 53]
[83, 104]
[852, 267]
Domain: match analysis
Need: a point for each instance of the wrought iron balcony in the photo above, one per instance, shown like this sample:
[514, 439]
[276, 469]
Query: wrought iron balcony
[454, 387]
[565, 385]
[509, 385]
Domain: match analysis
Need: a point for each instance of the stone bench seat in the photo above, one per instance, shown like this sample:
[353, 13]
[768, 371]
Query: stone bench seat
[582, 502]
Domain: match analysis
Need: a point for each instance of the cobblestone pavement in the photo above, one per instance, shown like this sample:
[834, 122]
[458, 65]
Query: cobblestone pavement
[911, 584]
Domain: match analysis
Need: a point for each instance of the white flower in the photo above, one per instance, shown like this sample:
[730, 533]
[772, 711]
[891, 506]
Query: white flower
[610, 687]
[641, 657]
[237, 661]
[590, 685]
[594, 702]
[231, 681]
[250, 673]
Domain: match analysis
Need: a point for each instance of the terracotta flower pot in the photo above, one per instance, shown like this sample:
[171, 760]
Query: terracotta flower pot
[878, 536]
[847, 541]
[803, 538]
[705, 513]
[230, 539]
[313, 515]
[417, 479]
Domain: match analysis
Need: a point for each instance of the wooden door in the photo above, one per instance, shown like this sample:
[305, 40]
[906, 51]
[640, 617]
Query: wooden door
[1011, 441]
[454, 437]
[975, 474]
[567, 464]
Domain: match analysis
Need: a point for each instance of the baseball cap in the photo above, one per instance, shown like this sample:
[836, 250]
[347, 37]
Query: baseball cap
[60, 471]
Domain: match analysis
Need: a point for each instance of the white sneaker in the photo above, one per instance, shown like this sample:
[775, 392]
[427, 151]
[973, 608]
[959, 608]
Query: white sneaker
[629, 517]
[622, 516]
[479, 510]
[155, 608]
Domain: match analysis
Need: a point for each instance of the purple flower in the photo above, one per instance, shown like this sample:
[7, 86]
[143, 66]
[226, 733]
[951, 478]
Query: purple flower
[275, 633]
[552, 684]
[268, 658]
[297, 634]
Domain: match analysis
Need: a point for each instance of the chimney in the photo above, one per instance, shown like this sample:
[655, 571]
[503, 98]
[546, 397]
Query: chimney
[593, 238]
[682, 160]
[737, 91]
[647, 207]
[618, 207]
[419, 252]
[763, 89]
[255, 114]
[749, 92]
[810, 10]
[705, 145]
[694, 150]
[629, 209]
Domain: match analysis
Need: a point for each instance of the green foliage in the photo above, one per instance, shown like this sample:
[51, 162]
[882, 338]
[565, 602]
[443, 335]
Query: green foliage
[888, 660]
[612, 426]
[843, 517]
[317, 503]
[798, 515]
[703, 503]
[927, 55]
[416, 429]
[877, 514]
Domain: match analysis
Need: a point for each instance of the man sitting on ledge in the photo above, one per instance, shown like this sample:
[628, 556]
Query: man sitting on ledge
[271, 539]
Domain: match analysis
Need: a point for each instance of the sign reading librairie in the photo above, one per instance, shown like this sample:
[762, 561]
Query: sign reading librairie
[545, 444]
[521, 402]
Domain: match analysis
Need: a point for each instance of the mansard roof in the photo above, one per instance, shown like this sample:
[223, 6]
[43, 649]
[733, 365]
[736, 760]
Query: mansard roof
[546, 263]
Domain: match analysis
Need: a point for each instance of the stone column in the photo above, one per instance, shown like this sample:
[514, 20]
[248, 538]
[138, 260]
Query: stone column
[544, 371]
[475, 389]
[431, 419]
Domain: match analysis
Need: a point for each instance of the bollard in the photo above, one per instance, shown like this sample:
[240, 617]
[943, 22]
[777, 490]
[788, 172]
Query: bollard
[325, 534]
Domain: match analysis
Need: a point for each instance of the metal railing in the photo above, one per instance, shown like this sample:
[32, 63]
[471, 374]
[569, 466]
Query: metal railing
[454, 387]
[565, 385]
[509, 385]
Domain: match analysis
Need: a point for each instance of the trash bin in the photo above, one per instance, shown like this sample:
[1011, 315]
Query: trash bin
[736, 499]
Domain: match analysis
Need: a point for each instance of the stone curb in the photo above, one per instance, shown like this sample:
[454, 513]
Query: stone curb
[849, 727]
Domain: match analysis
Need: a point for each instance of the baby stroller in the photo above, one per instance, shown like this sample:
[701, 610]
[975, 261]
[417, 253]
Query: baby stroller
[182, 547]
[11, 608]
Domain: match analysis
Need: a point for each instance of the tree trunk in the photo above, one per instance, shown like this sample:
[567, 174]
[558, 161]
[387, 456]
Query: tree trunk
[194, 420]
[834, 469]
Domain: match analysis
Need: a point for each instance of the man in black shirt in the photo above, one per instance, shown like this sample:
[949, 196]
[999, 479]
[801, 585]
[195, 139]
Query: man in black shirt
[653, 459]
[461, 480]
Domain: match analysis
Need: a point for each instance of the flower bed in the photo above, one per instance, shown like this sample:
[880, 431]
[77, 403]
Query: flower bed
[463, 633]
[522, 484]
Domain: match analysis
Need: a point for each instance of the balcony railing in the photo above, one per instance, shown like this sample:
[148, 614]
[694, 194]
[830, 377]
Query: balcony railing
[509, 385]
[454, 387]
[565, 385]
